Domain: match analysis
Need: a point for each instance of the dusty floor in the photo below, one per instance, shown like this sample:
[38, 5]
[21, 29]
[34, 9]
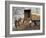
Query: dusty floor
[26, 25]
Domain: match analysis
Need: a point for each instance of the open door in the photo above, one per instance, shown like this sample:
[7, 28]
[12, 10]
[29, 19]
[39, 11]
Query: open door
[27, 13]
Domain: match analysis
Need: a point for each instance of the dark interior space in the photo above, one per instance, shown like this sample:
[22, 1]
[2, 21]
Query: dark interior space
[27, 13]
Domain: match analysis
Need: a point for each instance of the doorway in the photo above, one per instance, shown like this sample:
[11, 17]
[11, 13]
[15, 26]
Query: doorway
[27, 13]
